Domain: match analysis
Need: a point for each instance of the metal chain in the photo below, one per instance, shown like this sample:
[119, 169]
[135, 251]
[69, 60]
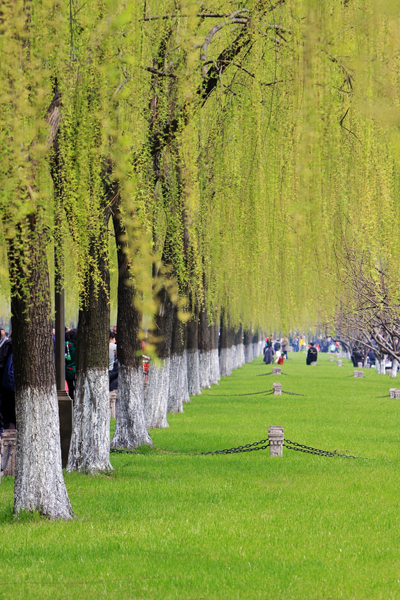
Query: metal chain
[385, 396]
[293, 393]
[237, 395]
[261, 445]
[246, 448]
[310, 450]
[4, 465]
[271, 373]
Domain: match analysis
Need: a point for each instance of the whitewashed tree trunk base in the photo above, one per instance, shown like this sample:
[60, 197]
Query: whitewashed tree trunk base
[214, 366]
[130, 422]
[89, 451]
[205, 369]
[193, 372]
[178, 383]
[234, 357]
[39, 483]
[156, 397]
[249, 353]
[225, 362]
[394, 369]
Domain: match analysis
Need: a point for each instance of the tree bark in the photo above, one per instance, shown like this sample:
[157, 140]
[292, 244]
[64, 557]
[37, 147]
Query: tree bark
[90, 442]
[225, 363]
[39, 483]
[130, 423]
[248, 346]
[178, 383]
[204, 351]
[193, 354]
[156, 396]
[215, 374]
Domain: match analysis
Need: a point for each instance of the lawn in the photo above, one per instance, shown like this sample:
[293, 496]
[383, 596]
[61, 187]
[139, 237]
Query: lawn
[168, 524]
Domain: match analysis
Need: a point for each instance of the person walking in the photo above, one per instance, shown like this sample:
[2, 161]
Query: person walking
[312, 354]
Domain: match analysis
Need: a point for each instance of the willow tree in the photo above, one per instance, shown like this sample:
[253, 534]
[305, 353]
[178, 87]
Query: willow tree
[30, 116]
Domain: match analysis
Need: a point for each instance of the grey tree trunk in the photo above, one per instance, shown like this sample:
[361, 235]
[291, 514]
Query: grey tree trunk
[394, 368]
[248, 346]
[193, 367]
[225, 357]
[178, 385]
[90, 441]
[156, 396]
[130, 423]
[39, 483]
[204, 351]
[214, 357]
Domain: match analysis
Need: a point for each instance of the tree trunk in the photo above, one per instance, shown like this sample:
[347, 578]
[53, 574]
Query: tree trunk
[255, 345]
[178, 379]
[248, 346]
[239, 347]
[193, 367]
[156, 396]
[90, 442]
[225, 363]
[214, 368]
[204, 351]
[394, 368]
[130, 422]
[39, 483]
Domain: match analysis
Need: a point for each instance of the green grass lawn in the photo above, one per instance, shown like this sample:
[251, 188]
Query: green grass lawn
[169, 525]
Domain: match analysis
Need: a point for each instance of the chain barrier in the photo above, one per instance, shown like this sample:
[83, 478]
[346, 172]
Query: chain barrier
[271, 373]
[385, 396]
[239, 449]
[310, 450]
[237, 395]
[293, 394]
[261, 445]
[4, 465]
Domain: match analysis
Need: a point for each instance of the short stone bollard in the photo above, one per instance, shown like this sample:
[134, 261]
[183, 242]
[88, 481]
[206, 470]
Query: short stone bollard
[392, 392]
[276, 371]
[397, 394]
[389, 372]
[360, 365]
[331, 358]
[277, 387]
[9, 439]
[355, 373]
[339, 363]
[314, 363]
[276, 438]
[360, 374]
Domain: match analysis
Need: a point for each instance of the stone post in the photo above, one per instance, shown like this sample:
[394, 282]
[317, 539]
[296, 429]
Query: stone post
[314, 363]
[277, 387]
[339, 363]
[397, 394]
[276, 437]
[360, 374]
[276, 371]
[392, 392]
[359, 365]
[331, 358]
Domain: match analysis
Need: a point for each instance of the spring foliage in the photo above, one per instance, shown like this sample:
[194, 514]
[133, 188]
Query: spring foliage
[245, 190]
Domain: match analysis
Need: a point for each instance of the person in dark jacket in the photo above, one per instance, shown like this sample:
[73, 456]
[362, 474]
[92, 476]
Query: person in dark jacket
[70, 365]
[268, 354]
[312, 354]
